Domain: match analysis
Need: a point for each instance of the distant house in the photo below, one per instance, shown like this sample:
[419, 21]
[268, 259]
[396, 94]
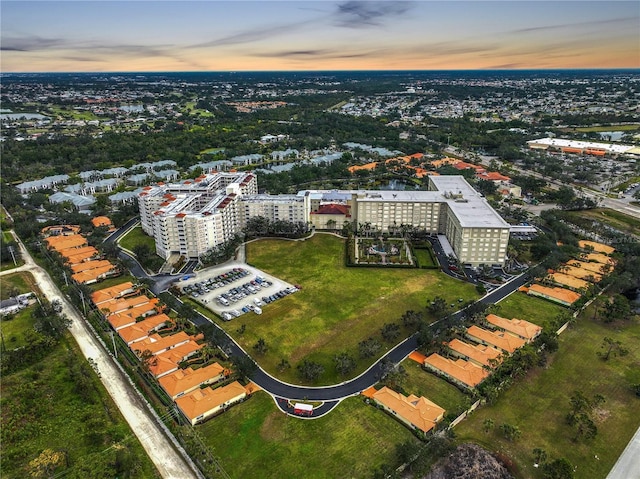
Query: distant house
[200, 405]
[14, 305]
[480, 354]
[416, 412]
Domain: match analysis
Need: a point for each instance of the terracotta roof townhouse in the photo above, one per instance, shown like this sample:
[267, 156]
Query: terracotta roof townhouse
[142, 329]
[563, 296]
[416, 412]
[183, 381]
[202, 404]
[521, 328]
[597, 247]
[461, 372]
[481, 354]
[114, 292]
[507, 342]
[158, 344]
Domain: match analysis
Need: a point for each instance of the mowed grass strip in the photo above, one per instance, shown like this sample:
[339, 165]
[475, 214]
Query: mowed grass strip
[338, 306]
[538, 404]
[535, 310]
[353, 441]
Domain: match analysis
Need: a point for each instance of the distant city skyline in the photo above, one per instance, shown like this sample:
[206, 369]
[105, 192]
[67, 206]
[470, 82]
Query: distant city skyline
[147, 35]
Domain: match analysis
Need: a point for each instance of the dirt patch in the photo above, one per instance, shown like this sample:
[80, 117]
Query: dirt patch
[601, 415]
[272, 428]
[469, 461]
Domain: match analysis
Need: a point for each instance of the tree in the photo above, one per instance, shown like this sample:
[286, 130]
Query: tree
[147, 360]
[539, 455]
[617, 308]
[390, 332]
[579, 417]
[46, 463]
[438, 306]
[310, 370]
[244, 366]
[611, 346]
[283, 364]
[369, 347]
[487, 425]
[344, 363]
[261, 346]
[510, 432]
[558, 469]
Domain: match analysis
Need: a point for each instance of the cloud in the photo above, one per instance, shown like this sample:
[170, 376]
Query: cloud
[317, 54]
[30, 44]
[565, 26]
[357, 14]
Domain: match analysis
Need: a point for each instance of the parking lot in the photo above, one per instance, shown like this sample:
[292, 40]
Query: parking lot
[235, 289]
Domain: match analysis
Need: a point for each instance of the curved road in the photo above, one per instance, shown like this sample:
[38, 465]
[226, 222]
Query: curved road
[329, 395]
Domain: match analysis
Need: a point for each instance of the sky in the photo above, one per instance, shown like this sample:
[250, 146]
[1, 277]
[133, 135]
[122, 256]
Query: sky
[210, 35]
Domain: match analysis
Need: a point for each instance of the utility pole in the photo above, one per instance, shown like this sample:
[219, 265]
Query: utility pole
[66, 281]
[13, 256]
[84, 305]
[115, 351]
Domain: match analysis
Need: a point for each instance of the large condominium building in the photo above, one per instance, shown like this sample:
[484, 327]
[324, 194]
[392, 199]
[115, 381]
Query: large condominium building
[190, 218]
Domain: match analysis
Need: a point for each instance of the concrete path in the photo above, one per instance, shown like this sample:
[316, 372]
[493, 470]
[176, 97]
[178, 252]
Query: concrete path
[628, 464]
[163, 451]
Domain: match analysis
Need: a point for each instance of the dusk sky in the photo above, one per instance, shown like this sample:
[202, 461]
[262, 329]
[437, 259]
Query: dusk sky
[95, 36]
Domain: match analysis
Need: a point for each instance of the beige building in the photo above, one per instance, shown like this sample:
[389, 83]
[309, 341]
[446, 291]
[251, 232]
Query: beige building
[190, 218]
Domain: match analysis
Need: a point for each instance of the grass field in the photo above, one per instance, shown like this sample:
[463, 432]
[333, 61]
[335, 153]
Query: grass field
[586, 129]
[46, 406]
[615, 219]
[539, 403]
[441, 392]
[338, 306]
[351, 442]
[424, 257]
[536, 310]
[135, 237]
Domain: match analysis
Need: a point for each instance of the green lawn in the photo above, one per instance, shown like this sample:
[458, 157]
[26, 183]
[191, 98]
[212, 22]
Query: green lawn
[260, 441]
[615, 219]
[15, 329]
[23, 282]
[539, 403]
[135, 237]
[338, 306]
[58, 403]
[522, 306]
[441, 392]
[424, 257]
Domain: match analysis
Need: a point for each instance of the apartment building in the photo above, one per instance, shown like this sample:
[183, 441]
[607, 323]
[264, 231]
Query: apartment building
[191, 217]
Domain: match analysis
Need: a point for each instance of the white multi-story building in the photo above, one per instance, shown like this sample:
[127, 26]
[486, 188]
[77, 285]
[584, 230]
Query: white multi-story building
[191, 217]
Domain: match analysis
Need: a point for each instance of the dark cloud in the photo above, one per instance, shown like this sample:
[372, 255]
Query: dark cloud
[30, 44]
[357, 14]
[319, 54]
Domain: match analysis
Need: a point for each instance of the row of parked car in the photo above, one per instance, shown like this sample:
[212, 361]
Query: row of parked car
[224, 279]
[240, 292]
[255, 307]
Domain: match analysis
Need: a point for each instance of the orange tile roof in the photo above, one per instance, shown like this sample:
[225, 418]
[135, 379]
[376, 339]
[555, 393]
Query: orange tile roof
[599, 258]
[101, 221]
[417, 356]
[142, 329]
[93, 275]
[368, 166]
[478, 353]
[122, 304]
[202, 401]
[158, 344]
[519, 327]
[561, 295]
[60, 243]
[580, 273]
[594, 267]
[463, 165]
[492, 176]
[78, 255]
[186, 380]
[570, 281]
[463, 371]
[87, 265]
[444, 161]
[597, 247]
[369, 392]
[120, 320]
[112, 292]
[505, 341]
[419, 411]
